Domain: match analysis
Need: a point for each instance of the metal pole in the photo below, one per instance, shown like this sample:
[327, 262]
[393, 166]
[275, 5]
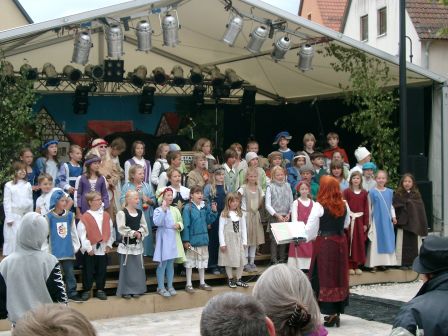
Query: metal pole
[403, 107]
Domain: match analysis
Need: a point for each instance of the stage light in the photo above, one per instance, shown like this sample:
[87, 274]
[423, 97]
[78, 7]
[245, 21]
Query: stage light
[170, 29]
[196, 76]
[159, 75]
[114, 39]
[221, 91]
[81, 101]
[7, 69]
[198, 95]
[94, 71]
[144, 34]
[234, 80]
[72, 74]
[138, 76]
[248, 99]
[216, 76]
[147, 100]
[28, 72]
[52, 76]
[81, 48]
[113, 70]
[281, 47]
[234, 28]
[306, 54]
[178, 76]
[257, 38]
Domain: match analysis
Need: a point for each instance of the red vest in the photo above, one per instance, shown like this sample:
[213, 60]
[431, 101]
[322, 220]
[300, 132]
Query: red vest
[93, 233]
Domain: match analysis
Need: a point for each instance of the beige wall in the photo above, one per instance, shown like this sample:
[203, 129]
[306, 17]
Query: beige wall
[438, 51]
[311, 7]
[10, 16]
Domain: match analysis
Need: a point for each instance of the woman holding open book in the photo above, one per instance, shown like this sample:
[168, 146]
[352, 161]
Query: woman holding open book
[329, 263]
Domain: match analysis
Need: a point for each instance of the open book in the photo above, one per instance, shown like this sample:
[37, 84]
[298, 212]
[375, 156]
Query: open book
[286, 232]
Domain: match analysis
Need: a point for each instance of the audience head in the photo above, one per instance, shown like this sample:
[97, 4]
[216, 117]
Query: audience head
[232, 314]
[288, 300]
[53, 320]
[32, 232]
[433, 257]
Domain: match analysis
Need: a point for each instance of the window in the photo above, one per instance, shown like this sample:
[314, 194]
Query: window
[364, 23]
[382, 21]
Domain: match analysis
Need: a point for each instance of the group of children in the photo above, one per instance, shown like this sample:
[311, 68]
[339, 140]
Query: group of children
[210, 218]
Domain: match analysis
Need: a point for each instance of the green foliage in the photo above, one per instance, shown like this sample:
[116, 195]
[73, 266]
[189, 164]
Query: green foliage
[368, 92]
[17, 121]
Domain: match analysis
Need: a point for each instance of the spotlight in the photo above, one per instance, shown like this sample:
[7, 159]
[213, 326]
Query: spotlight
[281, 47]
[196, 76]
[28, 72]
[81, 101]
[234, 80]
[81, 48]
[234, 28]
[114, 39]
[257, 38]
[52, 76]
[138, 76]
[94, 71]
[198, 95]
[73, 74]
[248, 99]
[144, 34]
[114, 70]
[147, 100]
[178, 76]
[170, 28]
[216, 76]
[306, 54]
[160, 78]
[7, 69]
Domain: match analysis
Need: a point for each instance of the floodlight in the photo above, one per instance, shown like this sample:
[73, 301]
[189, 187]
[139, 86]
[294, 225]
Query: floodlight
[306, 54]
[257, 38]
[248, 99]
[138, 76]
[114, 39]
[198, 95]
[178, 76]
[81, 48]
[234, 28]
[144, 34]
[81, 101]
[52, 76]
[72, 73]
[159, 76]
[234, 80]
[216, 76]
[281, 47]
[196, 76]
[28, 72]
[170, 29]
[147, 100]
[94, 71]
[7, 69]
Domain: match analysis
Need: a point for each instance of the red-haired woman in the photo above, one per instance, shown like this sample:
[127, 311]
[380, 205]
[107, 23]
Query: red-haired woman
[329, 263]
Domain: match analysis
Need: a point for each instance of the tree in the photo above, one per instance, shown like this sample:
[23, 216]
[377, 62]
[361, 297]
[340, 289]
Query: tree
[17, 120]
[369, 92]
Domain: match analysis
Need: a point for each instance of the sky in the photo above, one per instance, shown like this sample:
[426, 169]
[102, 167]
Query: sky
[44, 10]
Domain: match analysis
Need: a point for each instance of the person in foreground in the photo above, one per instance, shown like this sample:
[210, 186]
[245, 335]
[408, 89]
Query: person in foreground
[53, 320]
[287, 297]
[427, 313]
[329, 264]
[231, 314]
[30, 277]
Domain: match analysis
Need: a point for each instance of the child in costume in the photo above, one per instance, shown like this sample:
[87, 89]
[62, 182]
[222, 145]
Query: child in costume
[48, 162]
[282, 140]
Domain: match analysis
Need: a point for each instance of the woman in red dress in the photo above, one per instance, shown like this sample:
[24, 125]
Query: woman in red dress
[329, 264]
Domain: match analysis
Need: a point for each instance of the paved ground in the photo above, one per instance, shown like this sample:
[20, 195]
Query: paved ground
[186, 322]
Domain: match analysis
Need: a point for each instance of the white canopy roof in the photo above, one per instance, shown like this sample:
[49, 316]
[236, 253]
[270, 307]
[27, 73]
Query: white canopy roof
[202, 27]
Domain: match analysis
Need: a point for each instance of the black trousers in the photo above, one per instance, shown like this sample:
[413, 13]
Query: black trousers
[94, 269]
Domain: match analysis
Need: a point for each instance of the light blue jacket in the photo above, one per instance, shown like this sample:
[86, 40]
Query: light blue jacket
[195, 224]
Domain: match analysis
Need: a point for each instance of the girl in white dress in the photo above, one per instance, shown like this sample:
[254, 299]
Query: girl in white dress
[17, 201]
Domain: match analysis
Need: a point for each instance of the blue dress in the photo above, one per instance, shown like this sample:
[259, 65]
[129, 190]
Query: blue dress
[146, 190]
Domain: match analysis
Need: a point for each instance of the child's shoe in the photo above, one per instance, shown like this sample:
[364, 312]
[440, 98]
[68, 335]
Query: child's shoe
[232, 283]
[205, 287]
[241, 283]
[85, 295]
[189, 289]
[163, 292]
[100, 294]
[172, 291]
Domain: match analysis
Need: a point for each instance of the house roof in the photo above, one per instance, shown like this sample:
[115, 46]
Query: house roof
[332, 12]
[428, 18]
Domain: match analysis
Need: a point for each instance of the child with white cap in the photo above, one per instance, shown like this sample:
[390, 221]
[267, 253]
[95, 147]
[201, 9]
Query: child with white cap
[362, 156]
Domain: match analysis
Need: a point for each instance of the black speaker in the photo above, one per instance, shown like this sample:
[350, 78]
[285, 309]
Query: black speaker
[425, 188]
[418, 166]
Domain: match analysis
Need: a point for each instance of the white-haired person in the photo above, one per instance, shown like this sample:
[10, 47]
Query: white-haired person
[288, 300]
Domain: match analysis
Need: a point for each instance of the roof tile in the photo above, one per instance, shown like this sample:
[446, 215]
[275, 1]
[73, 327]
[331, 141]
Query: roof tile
[428, 17]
